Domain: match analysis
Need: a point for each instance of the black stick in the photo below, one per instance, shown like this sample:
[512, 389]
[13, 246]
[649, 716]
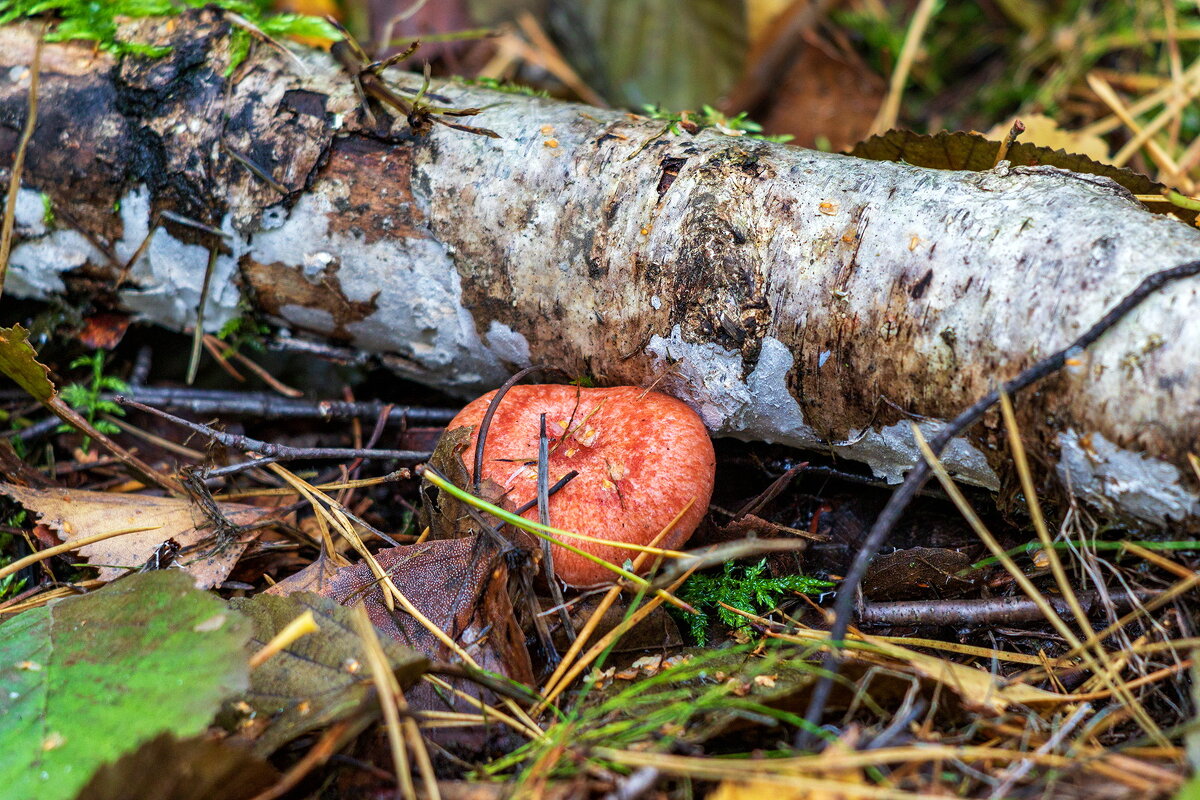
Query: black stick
[267, 405]
[843, 609]
[278, 451]
[486, 422]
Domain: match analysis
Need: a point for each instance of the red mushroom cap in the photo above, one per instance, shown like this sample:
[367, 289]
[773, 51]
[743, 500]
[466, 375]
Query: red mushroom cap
[641, 456]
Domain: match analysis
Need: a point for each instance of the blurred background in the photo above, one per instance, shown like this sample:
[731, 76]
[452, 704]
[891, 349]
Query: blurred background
[1115, 81]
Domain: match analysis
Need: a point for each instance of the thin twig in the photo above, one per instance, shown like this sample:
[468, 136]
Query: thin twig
[270, 449]
[983, 611]
[18, 165]
[198, 333]
[333, 739]
[486, 422]
[890, 110]
[264, 404]
[65, 547]
[919, 474]
[1016, 130]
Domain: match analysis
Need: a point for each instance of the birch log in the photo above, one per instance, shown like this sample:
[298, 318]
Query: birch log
[789, 296]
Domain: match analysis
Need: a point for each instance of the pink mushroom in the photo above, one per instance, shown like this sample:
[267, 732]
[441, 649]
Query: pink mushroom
[641, 457]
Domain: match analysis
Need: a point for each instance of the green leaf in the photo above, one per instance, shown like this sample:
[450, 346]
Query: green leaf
[113, 384]
[89, 678]
[299, 25]
[19, 362]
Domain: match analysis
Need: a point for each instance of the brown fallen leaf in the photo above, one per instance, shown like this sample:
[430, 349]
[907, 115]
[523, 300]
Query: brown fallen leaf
[75, 514]
[464, 595]
[460, 586]
[917, 572]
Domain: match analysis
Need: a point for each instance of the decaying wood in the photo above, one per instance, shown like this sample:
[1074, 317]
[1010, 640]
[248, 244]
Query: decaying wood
[788, 295]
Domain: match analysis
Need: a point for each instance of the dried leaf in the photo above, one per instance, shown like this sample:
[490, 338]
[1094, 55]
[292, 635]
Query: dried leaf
[75, 514]
[824, 96]
[917, 572]
[446, 516]
[460, 585]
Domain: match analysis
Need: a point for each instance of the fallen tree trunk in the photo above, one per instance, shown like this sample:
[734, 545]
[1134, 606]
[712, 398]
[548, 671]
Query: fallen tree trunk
[790, 296]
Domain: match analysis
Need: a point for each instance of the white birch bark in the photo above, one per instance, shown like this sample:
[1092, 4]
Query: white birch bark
[789, 296]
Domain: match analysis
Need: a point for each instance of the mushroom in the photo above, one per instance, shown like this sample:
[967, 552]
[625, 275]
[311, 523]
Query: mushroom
[641, 456]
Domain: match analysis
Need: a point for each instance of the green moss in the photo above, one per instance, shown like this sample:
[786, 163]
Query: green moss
[709, 117]
[743, 588]
[96, 21]
[243, 331]
[47, 211]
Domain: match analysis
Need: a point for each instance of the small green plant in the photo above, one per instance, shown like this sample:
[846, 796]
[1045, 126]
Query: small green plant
[709, 117]
[243, 331]
[743, 588]
[10, 585]
[86, 399]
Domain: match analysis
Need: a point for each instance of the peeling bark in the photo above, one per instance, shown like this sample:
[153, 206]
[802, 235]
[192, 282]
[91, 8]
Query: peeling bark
[788, 295]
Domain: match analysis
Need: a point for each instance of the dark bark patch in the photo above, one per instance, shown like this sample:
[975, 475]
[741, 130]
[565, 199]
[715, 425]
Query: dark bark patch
[715, 289]
[371, 209]
[83, 174]
[669, 172]
[919, 288]
[304, 103]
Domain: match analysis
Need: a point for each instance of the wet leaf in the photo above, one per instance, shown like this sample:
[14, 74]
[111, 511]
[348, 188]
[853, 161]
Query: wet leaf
[166, 768]
[460, 585]
[75, 513]
[917, 572]
[321, 677]
[89, 678]
[103, 331]
[444, 515]
[440, 511]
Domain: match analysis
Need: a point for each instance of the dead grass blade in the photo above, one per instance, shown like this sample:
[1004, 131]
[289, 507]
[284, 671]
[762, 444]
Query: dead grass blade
[18, 165]
[67, 547]
[1032, 592]
[610, 597]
